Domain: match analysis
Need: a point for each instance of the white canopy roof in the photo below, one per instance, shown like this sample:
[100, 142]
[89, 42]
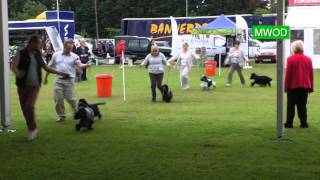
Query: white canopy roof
[241, 23]
[303, 17]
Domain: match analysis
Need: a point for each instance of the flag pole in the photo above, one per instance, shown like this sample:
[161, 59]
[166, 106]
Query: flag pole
[123, 78]
[5, 98]
[280, 73]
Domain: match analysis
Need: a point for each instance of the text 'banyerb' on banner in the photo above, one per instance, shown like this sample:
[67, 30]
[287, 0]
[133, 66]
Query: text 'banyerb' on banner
[271, 32]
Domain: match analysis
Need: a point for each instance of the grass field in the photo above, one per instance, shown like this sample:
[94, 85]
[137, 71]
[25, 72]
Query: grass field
[228, 133]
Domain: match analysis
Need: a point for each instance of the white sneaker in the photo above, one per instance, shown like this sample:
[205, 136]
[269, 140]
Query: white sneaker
[186, 88]
[33, 135]
[61, 119]
[228, 85]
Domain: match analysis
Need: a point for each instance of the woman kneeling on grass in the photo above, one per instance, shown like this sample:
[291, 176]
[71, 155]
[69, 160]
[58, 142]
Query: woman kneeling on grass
[298, 84]
[155, 62]
[27, 66]
[184, 62]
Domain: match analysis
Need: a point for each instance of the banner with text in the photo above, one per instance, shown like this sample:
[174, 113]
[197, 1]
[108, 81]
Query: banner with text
[304, 2]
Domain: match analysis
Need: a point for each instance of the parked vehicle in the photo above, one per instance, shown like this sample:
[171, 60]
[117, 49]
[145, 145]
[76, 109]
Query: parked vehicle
[206, 45]
[164, 47]
[254, 48]
[218, 46]
[268, 52]
[163, 44]
[137, 47]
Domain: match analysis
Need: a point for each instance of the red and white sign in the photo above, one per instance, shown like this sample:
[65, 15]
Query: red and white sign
[304, 2]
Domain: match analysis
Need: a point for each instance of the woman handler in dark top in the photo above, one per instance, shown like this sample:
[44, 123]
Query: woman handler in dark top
[83, 53]
[27, 66]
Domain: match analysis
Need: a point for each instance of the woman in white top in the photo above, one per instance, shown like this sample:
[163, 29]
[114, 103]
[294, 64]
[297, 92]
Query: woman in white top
[184, 62]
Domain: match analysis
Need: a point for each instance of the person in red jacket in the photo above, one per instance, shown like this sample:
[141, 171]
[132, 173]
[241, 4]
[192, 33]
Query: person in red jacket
[298, 84]
[119, 49]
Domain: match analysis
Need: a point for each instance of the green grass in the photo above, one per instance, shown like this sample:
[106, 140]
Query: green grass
[228, 133]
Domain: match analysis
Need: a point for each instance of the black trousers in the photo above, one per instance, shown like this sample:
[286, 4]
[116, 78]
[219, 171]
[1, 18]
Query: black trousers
[48, 58]
[84, 70]
[156, 81]
[299, 98]
[84, 74]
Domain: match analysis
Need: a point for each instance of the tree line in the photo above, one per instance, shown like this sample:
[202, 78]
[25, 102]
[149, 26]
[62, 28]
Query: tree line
[110, 12]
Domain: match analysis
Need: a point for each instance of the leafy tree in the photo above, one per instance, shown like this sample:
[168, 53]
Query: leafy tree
[30, 9]
[261, 11]
[15, 6]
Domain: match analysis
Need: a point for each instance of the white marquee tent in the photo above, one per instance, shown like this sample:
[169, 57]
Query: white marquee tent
[305, 26]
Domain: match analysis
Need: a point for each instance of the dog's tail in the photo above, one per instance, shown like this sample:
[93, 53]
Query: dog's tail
[98, 104]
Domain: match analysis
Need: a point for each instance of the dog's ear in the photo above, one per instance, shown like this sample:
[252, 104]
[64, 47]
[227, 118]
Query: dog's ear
[76, 115]
[83, 101]
[202, 77]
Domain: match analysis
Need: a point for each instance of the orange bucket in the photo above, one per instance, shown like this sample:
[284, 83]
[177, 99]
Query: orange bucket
[104, 85]
[210, 68]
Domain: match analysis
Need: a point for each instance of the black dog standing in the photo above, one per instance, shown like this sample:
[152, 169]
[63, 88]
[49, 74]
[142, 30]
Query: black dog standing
[260, 80]
[86, 116]
[86, 113]
[167, 94]
[94, 107]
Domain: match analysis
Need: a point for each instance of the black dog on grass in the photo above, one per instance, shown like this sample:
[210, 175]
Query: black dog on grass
[167, 94]
[86, 116]
[94, 107]
[260, 80]
[86, 113]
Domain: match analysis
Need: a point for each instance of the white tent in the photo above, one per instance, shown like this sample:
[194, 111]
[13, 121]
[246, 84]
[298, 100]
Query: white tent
[305, 26]
[242, 29]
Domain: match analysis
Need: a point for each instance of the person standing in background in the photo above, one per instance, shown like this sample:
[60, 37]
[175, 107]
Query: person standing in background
[27, 65]
[48, 51]
[74, 47]
[184, 62]
[236, 59]
[298, 84]
[83, 53]
[110, 49]
[121, 47]
[65, 61]
[151, 43]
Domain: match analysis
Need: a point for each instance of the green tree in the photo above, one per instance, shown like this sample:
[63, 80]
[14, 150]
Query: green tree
[261, 11]
[30, 10]
[15, 6]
